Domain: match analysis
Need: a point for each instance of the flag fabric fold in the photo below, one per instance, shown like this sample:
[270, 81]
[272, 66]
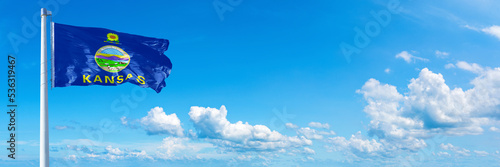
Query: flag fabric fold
[84, 56]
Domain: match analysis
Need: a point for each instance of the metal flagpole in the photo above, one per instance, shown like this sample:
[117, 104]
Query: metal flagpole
[44, 120]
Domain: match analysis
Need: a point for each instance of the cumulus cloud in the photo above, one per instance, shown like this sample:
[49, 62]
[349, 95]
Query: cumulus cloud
[213, 136]
[409, 57]
[441, 54]
[431, 107]
[319, 125]
[213, 125]
[387, 70]
[157, 122]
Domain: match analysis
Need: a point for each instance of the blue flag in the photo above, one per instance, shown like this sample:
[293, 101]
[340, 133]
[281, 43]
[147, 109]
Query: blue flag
[83, 56]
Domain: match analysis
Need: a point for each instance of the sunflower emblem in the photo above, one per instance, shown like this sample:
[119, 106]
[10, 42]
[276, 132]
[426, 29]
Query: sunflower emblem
[112, 38]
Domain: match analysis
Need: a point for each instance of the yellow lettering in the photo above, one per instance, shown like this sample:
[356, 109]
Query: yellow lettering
[140, 79]
[128, 76]
[86, 79]
[97, 77]
[111, 80]
[119, 79]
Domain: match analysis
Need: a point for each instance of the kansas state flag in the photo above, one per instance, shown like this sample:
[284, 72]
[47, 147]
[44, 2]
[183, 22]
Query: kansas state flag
[86, 56]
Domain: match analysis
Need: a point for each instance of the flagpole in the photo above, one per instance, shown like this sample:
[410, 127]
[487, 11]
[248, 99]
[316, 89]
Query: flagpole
[44, 120]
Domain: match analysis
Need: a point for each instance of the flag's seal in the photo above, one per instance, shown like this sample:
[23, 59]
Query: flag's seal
[112, 58]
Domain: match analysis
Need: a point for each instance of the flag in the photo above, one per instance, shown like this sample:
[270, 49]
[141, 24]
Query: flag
[84, 56]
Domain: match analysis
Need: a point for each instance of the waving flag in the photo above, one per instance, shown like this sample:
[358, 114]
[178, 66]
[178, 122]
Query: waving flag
[83, 56]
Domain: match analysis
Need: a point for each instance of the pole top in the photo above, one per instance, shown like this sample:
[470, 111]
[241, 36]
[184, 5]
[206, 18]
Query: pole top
[45, 12]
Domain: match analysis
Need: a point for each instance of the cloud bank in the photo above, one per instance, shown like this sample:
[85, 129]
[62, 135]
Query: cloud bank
[211, 123]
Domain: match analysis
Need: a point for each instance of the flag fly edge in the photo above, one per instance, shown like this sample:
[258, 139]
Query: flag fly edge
[52, 49]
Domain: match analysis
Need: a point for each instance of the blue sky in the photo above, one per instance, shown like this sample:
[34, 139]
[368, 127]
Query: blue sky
[422, 88]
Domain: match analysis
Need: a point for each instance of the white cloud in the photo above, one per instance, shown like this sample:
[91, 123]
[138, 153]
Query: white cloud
[111, 157]
[124, 120]
[493, 30]
[114, 151]
[449, 65]
[494, 129]
[157, 122]
[409, 57]
[214, 137]
[313, 134]
[170, 148]
[308, 150]
[448, 146]
[213, 125]
[357, 145]
[361, 147]
[457, 150]
[72, 158]
[63, 127]
[471, 27]
[431, 107]
[475, 68]
[327, 133]
[141, 155]
[113, 154]
[180, 147]
[172, 145]
[192, 134]
[481, 153]
[92, 155]
[441, 54]
[319, 125]
[387, 70]
[443, 154]
[291, 126]
[305, 150]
